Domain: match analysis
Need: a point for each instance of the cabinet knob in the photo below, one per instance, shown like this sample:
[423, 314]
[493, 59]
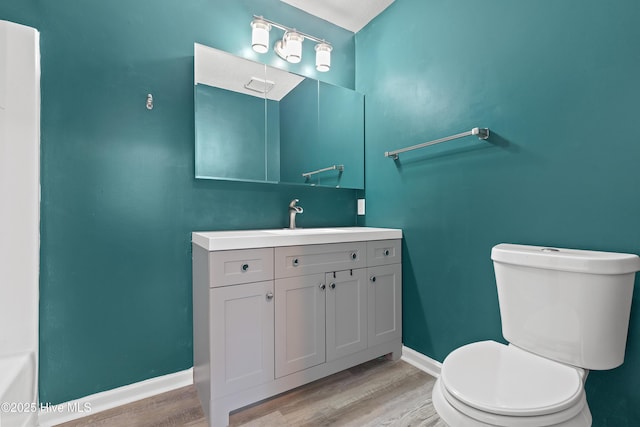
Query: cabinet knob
[269, 295]
[245, 267]
[333, 285]
[354, 255]
[386, 252]
[322, 286]
[296, 262]
[373, 279]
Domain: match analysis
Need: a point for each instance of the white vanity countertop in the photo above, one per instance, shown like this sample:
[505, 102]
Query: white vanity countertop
[250, 239]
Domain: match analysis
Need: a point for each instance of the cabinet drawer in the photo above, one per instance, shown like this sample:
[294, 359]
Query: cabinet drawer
[311, 259]
[241, 266]
[384, 252]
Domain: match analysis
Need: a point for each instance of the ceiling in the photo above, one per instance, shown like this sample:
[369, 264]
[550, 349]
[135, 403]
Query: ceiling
[352, 15]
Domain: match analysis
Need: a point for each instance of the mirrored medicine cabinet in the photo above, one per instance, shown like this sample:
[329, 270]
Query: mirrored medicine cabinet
[258, 123]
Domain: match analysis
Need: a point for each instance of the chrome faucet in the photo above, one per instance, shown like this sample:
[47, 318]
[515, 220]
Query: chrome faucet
[293, 211]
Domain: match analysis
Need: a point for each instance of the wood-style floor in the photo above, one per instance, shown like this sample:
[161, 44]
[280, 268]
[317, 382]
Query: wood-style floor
[376, 393]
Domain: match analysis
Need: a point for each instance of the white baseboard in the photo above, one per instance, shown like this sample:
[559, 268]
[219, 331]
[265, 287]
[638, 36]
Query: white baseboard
[422, 362]
[56, 414]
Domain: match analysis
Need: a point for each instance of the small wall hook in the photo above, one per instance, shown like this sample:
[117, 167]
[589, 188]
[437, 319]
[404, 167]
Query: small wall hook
[149, 102]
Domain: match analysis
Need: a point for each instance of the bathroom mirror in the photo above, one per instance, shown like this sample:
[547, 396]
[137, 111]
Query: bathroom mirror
[258, 123]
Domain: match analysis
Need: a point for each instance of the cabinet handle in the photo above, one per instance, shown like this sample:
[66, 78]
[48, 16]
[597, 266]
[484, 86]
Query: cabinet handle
[386, 252]
[269, 295]
[354, 255]
[333, 285]
[296, 262]
[245, 267]
[373, 279]
[322, 286]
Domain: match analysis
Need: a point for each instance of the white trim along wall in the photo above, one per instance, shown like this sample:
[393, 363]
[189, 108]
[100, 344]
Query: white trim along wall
[68, 411]
[88, 405]
[422, 362]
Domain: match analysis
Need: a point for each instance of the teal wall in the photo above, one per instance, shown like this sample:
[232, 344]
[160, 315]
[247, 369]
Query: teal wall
[557, 82]
[119, 198]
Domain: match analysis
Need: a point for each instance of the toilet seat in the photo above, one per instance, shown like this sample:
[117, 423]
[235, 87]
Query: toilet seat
[490, 381]
[456, 413]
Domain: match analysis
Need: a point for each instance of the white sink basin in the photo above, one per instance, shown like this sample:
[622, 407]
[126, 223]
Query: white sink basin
[249, 239]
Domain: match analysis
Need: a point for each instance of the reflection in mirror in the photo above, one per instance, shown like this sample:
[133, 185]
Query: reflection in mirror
[233, 99]
[326, 148]
[298, 131]
[258, 123]
[239, 120]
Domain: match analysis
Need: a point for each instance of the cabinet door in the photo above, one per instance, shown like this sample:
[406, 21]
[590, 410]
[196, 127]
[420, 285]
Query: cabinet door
[241, 337]
[385, 303]
[300, 323]
[346, 312]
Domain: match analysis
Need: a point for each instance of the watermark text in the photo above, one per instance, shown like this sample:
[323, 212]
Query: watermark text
[24, 407]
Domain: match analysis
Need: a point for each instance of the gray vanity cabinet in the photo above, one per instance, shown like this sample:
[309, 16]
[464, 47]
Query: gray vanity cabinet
[267, 320]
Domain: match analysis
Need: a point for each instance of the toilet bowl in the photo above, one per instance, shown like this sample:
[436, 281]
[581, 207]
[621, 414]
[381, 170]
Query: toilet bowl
[563, 311]
[492, 384]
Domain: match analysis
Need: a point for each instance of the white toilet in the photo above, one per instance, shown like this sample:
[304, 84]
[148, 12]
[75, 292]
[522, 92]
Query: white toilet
[564, 312]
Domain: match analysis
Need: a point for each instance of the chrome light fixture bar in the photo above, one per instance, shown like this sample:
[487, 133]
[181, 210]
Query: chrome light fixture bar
[289, 47]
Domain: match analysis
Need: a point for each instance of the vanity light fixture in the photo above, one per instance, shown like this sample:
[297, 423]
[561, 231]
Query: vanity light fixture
[289, 47]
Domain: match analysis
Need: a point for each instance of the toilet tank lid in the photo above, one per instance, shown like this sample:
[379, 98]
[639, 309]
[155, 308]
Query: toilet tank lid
[574, 260]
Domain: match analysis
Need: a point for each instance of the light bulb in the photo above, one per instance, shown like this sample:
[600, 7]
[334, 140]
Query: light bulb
[260, 35]
[323, 57]
[293, 47]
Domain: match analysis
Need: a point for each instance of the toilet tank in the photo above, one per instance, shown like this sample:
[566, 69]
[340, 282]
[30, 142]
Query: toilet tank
[568, 305]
